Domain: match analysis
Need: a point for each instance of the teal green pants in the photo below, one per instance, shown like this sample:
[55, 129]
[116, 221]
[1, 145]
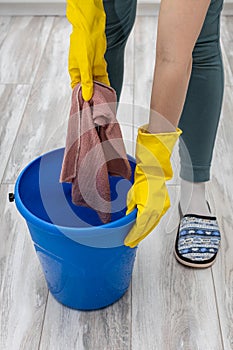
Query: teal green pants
[200, 116]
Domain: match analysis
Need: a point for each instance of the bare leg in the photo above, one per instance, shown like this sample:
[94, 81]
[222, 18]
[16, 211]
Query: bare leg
[179, 25]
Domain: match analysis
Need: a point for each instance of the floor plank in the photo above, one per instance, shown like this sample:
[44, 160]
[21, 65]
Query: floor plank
[228, 76]
[145, 42]
[125, 117]
[46, 116]
[23, 292]
[103, 329]
[173, 307]
[144, 56]
[22, 48]
[222, 199]
[226, 28]
[4, 27]
[227, 39]
[13, 99]
[129, 59]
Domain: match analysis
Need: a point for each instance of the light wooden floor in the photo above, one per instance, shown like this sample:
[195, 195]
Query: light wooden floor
[168, 306]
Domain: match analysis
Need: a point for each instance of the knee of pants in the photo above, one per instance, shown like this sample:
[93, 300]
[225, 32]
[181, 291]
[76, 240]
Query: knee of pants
[120, 18]
[207, 47]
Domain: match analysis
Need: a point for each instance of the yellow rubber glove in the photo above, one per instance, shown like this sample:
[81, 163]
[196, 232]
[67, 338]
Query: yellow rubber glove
[87, 44]
[149, 193]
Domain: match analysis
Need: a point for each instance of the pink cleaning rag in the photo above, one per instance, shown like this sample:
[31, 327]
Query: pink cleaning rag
[94, 149]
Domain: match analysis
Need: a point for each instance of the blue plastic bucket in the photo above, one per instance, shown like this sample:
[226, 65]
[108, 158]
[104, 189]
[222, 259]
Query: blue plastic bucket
[85, 263]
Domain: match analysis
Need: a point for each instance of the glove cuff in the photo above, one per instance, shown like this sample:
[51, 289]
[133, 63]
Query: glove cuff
[152, 149]
[149, 140]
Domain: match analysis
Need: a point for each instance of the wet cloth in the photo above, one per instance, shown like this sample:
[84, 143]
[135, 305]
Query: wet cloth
[94, 149]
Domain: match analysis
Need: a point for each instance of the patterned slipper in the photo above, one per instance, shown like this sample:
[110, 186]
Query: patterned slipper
[198, 240]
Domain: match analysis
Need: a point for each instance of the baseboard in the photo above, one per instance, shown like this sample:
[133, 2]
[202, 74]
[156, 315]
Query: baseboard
[58, 9]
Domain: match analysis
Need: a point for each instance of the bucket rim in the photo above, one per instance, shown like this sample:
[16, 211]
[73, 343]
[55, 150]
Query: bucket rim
[33, 219]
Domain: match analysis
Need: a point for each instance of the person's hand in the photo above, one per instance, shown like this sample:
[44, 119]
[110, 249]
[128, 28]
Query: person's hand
[149, 193]
[87, 44]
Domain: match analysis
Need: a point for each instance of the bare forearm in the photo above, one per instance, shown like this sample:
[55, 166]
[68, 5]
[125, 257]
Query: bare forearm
[179, 25]
[169, 90]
